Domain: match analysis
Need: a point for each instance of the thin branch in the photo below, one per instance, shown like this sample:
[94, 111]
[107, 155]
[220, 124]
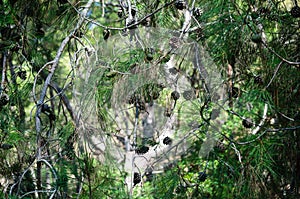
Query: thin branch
[20, 179]
[36, 78]
[237, 152]
[134, 24]
[187, 22]
[262, 121]
[65, 100]
[37, 191]
[3, 73]
[55, 64]
[275, 73]
[280, 57]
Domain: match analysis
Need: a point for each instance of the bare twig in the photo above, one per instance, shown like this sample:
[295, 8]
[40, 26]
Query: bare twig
[187, 22]
[282, 58]
[134, 24]
[55, 64]
[3, 73]
[38, 191]
[260, 135]
[36, 78]
[65, 100]
[262, 120]
[275, 73]
[237, 152]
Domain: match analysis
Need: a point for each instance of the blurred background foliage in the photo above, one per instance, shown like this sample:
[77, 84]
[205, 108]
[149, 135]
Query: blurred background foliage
[255, 43]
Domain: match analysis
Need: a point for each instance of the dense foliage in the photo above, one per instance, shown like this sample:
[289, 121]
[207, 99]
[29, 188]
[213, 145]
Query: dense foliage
[46, 49]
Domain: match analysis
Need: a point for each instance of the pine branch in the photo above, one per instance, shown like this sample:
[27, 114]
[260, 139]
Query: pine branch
[54, 64]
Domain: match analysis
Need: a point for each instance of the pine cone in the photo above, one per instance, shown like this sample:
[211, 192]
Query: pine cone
[136, 178]
[167, 141]
[295, 11]
[4, 99]
[106, 34]
[142, 150]
[180, 4]
[188, 95]
[197, 12]
[202, 176]
[175, 95]
[247, 123]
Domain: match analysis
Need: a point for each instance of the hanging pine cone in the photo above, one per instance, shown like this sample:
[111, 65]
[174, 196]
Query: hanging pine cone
[22, 74]
[247, 123]
[256, 38]
[136, 178]
[142, 150]
[202, 176]
[197, 12]
[175, 95]
[295, 11]
[4, 99]
[106, 34]
[258, 80]
[167, 141]
[180, 4]
[188, 95]
[149, 54]
[146, 22]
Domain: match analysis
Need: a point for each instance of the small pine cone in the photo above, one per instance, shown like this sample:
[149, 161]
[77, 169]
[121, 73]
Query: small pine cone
[258, 80]
[180, 4]
[256, 38]
[197, 12]
[22, 74]
[295, 11]
[106, 34]
[136, 178]
[202, 176]
[120, 12]
[142, 150]
[188, 95]
[175, 95]
[4, 99]
[247, 123]
[167, 141]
